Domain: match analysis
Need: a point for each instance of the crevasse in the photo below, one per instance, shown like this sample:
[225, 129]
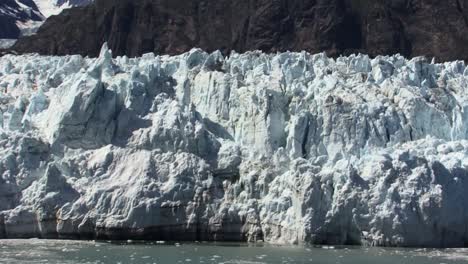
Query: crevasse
[284, 148]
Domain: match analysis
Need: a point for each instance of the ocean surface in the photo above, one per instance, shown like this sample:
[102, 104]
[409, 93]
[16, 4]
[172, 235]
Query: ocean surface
[59, 251]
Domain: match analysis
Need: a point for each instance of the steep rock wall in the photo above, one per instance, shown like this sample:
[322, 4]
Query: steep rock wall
[339, 27]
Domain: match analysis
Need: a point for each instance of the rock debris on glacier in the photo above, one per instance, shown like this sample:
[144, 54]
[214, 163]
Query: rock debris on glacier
[285, 148]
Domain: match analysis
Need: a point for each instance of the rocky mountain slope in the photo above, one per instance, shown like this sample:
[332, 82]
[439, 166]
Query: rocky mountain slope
[285, 148]
[24, 17]
[15, 15]
[375, 27]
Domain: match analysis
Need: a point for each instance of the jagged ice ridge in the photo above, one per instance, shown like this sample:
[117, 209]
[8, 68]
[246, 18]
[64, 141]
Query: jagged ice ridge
[285, 148]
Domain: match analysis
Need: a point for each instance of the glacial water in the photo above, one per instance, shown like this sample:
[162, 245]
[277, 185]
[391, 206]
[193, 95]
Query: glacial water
[58, 251]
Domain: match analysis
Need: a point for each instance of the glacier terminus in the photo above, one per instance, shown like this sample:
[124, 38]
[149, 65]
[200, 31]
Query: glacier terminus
[283, 148]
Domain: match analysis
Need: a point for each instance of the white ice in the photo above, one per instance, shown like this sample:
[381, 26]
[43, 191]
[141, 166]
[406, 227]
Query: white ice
[286, 148]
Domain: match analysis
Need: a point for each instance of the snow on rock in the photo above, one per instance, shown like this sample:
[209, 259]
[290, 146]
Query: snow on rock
[25, 17]
[18, 18]
[285, 148]
[6, 43]
[54, 7]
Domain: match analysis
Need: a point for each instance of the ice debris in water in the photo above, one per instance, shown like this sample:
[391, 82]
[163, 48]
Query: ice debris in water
[285, 148]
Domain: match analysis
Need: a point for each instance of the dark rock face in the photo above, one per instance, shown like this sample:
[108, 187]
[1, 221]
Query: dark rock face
[133, 27]
[11, 13]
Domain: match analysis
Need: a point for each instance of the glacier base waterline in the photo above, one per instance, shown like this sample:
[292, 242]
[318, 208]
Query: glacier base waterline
[282, 148]
[28, 251]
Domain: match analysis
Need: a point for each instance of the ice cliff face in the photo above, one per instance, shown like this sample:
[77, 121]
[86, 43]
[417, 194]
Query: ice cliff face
[286, 148]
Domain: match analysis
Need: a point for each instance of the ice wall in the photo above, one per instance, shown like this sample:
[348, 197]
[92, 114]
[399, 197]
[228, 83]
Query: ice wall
[285, 148]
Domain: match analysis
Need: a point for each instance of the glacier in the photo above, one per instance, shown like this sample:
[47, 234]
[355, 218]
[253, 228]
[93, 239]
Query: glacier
[281, 148]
